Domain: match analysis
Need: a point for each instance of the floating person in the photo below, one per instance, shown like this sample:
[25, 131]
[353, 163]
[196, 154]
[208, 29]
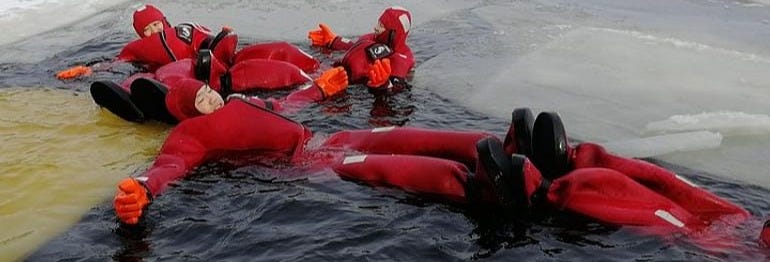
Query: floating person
[588, 180]
[464, 167]
[134, 100]
[160, 43]
[382, 60]
[439, 162]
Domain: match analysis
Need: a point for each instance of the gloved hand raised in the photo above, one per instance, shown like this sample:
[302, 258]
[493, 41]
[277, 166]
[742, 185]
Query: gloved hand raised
[379, 73]
[332, 81]
[321, 37]
[130, 200]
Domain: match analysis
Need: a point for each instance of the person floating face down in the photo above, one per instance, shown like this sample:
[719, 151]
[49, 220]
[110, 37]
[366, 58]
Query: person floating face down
[381, 59]
[160, 43]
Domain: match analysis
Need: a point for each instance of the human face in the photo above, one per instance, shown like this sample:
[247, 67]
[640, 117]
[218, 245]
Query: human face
[379, 29]
[154, 27]
[207, 100]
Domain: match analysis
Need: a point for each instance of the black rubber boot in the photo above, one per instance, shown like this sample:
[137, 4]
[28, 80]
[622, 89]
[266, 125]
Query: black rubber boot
[550, 148]
[519, 134]
[150, 97]
[505, 172]
[110, 95]
[203, 65]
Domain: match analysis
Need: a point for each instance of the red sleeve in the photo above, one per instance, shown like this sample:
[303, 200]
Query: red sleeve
[148, 51]
[340, 43]
[401, 63]
[262, 74]
[236, 128]
[181, 152]
[280, 51]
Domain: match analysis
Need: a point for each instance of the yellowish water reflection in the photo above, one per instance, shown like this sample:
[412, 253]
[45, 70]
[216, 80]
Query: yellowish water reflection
[60, 156]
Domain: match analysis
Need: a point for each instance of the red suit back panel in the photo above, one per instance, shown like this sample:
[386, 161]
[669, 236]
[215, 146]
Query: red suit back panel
[418, 174]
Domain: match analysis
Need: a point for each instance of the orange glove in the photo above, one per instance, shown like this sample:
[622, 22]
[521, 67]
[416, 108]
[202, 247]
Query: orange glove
[321, 37]
[130, 200]
[332, 81]
[74, 72]
[379, 72]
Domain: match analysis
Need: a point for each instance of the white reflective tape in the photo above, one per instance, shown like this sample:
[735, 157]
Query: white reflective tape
[405, 23]
[665, 215]
[383, 129]
[354, 159]
[305, 75]
[305, 53]
[306, 86]
[686, 181]
[142, 178]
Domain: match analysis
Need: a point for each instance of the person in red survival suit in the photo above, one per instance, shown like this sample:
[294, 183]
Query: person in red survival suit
[384, 52]
[588, 180]
[136, 100]
[160, 44]
[435, 162]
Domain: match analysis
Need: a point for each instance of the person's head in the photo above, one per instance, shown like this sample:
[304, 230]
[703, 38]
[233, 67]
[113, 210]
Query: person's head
[190, 98]
[148, 20]
[393, 26]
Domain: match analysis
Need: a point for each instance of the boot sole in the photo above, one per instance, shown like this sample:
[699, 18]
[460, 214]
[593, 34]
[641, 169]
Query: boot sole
[110, 95]
[506, 173]
[150, 97]
[550, 147]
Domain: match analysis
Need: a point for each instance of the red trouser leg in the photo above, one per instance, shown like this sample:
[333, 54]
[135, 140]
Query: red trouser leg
[418, 174]
[454, 145]
[281, 51]
[261, 74]
[126, 84]
[614, 198]
[695, 200]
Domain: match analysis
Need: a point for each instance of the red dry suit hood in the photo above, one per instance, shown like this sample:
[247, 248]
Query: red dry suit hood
[180, 99]
[397, 22]
[145, 15]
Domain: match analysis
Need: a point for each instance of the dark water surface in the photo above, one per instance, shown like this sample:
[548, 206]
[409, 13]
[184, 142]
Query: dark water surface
[252, 213]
